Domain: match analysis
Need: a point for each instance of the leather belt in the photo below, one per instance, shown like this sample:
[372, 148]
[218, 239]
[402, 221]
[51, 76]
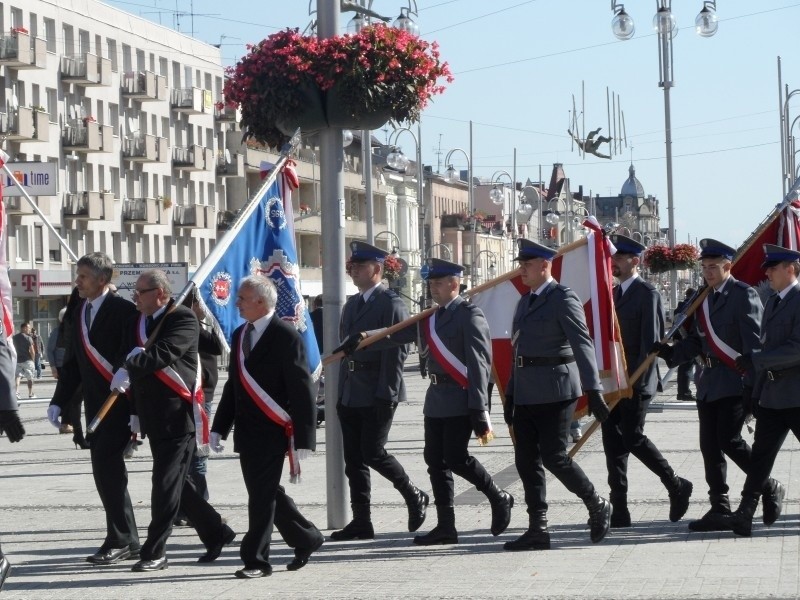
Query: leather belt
[543, 361]
[354, 365]
[442, 378]
[778, 374]
[710, 361]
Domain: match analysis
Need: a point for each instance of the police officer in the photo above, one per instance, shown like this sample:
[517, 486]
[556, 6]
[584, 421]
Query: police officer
[554, 363]
[725, 326]
[641, 322]
[456, 403]
[777, 366]
[370, 387]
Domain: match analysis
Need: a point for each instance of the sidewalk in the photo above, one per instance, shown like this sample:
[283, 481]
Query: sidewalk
[50, 520]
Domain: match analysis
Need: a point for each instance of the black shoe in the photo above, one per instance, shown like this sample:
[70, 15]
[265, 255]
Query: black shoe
[439, 535]
[713, 520]
[772, 501]
[530, 540]
[599, 519]
[157, 564]
[688, 396]
[354, 530]
[501, 512]
[679, 499]
[417, 507]
[253, 573]
[301, 555]
[620, 517]
[213, 552]
[109, 557]
[5, 569]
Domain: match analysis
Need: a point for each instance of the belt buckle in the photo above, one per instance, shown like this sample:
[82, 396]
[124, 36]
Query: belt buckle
[351, 365]
[770, 376]
[520, 361]
[707, 361]
[434, 380]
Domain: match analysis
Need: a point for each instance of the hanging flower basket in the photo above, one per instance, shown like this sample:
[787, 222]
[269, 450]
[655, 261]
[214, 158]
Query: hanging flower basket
[353, 81]
[662, 259]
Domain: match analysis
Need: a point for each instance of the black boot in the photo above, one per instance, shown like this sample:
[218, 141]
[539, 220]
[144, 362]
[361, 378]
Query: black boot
[599, 516]
[680, 490]
[502, 502]
[772, 501]
[741, 521]
[445, 530]
[713, 519]
[536, 537]
[360, 528]
[620, 516]
[417, 502]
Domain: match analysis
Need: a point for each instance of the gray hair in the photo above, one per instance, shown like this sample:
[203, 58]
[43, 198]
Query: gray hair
[263, 287]
[158, 279]
[100, 264]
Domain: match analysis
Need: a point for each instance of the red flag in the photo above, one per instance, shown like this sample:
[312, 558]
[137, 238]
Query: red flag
[5, 283]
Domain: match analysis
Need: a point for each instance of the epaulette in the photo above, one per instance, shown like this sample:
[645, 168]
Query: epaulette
[742, 284]
[563, 288]
[391, 293]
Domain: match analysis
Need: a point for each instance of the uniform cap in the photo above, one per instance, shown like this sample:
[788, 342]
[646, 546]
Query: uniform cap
[528, 249]
[712, 249]
[626, 245]
[438, 268]
[774, 255]
[363, 252]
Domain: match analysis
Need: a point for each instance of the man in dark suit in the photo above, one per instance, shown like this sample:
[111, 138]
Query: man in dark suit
[686, 370]
[554, 363]
[726, 325]
[641, 321]
[777, 367]
[370, 387]
[97, 326]
[317, 320]
[165, 379]
[269, 393]
[456, 403]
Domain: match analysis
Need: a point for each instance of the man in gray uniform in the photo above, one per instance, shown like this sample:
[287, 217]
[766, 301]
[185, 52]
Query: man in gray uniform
[726, 325]
[370, 387]
[554, 363]
[777, 367]
[456, 402]
[641, 322]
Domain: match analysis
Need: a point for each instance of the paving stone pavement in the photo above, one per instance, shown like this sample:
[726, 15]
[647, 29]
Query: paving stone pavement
[50, 519]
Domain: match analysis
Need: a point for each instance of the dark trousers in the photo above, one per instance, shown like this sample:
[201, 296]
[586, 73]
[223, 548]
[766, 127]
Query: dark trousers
[173, 490]
[772, 427]
[541, 431]
[720, 435]
[111, 480]
[684, 377]
[365, 431]
[623, 435]
[447, 452]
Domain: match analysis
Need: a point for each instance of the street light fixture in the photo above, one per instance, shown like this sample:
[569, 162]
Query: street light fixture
[444, 247]
[405, 22]
[452, 176]
[491, 271]
[395, 248]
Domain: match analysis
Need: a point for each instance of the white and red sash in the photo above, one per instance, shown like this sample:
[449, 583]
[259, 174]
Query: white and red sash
[722, 350]
[454, 367]
[101, 364]
[273, 411]
[170, 377]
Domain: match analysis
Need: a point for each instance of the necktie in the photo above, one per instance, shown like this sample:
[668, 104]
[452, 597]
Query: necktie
[777, 301]
[715, 298]
[360, 304]
[617, 293]
[148, 325]
[440, 312]
[247, 342]
[87, 315]
[532, 299]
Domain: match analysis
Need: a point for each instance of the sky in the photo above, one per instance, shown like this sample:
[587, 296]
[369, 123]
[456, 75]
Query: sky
[520, 65]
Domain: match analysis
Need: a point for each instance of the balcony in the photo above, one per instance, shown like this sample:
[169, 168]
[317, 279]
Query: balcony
[226, 114]
[20, 51]
[18, 205]
[86, 69]
[189, 101]
[229, 165]
[192, 158]
[226, 219]
[83, 135]
[191, 217]
[144, 86]
[144, 148]
[18, 125]
[87, 206]
[143, 211]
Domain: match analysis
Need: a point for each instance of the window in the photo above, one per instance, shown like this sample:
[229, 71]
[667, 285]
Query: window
[34, 28]
[23, 244]
[38, 243]
[127, 60]
[50, 34]
[52, 104]
[152, 61]
[111, 48]
[84, 43]
[140, 64]
[115, 181]
[113, 118]
[54, 247]
[16, 18]
[68, 35]
[163, 68]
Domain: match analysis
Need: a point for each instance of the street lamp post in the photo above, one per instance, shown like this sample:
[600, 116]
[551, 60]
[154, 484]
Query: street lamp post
[492, 269]
[397, 160]
[395, 248]
[706, 25]
[451, 176]
[444, 247]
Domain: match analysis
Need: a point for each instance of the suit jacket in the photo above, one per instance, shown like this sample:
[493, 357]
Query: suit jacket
[108, 328]
[8, 399]
[278, 363]
[209, 347]
[162, 413]
[736, 319]
[385, 383]
[641, 321]
[780, 339]
[554, 326]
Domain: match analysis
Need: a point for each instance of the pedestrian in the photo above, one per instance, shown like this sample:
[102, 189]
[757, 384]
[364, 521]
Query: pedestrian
[456, 402]
[685, 370]
[370, 388]
[269, 398]
[97, 324]
[641, 322]
[775, 399]
[317, 321]
[164, 379]
[38, 347]
[554, 364]
[26, 353]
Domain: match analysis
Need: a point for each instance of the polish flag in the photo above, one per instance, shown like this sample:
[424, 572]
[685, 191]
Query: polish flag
[586, 269]
[5, 283]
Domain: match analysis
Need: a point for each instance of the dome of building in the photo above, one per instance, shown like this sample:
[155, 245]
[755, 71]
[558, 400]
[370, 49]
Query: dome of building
[632, 186]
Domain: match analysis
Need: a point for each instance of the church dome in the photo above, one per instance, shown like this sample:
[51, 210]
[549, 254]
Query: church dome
[632, 186]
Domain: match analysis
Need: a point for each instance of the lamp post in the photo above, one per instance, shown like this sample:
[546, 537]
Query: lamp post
[444, 247]
[452, 176]
[492, 269]
[395, 248]
[706, 25]
[397, 160]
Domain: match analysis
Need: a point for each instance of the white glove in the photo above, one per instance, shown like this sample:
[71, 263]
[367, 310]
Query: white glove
[134, 352]
[303, 454]
[120, 382]
[215, 441]
[53, 414]
[133, 423]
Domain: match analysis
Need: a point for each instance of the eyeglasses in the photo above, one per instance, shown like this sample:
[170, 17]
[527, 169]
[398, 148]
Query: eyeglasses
[140, 292]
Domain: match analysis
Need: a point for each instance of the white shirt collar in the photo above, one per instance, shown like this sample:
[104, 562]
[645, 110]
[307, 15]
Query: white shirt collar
[159, 312]
[541, 288]
[624, 285]
[786, 290]
[259, 326]
[97, 303]
[722, 285]
[369, 292]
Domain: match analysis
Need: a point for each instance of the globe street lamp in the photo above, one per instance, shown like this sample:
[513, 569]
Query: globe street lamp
[399, 162]
[706, 25]
[452, 176]
[498, 197]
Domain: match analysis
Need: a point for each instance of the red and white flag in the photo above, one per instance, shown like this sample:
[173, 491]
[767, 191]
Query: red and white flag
[5, 283]
[586, 269]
